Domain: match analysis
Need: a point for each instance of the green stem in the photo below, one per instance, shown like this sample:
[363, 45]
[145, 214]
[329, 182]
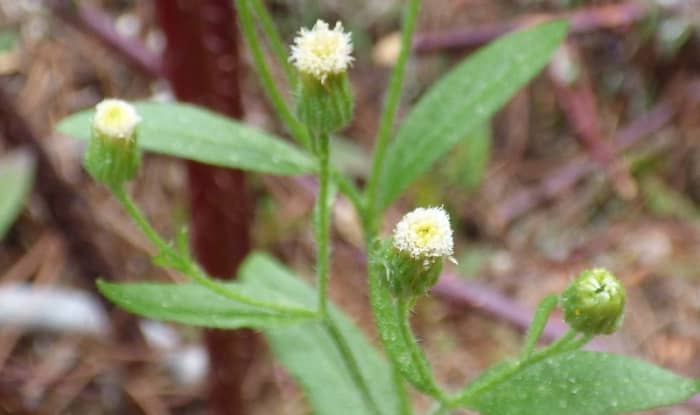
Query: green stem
[544, 310]
[276, 43]
[191, 269]
[401, 393]
[273, 93]
[563, 344]
[323, 224]
[404, 317]
[351, 364]
[392, 102]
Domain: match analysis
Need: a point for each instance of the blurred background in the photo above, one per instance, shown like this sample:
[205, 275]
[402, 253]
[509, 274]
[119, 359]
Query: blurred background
[595, 163]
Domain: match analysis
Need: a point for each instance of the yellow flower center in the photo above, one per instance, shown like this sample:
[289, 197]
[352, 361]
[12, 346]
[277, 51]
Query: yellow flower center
[425, 232]
[114, 116]
[325, 46]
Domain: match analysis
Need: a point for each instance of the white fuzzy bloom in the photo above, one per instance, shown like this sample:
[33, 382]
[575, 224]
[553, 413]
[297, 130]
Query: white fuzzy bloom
[321, 52]
[424, 232]
[115, 118]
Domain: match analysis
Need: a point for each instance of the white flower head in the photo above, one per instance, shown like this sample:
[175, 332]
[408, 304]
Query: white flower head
[321, 52]
[424, 233]
[115, 118]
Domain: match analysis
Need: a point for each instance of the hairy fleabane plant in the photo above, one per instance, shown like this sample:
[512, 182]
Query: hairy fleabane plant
[341, 372]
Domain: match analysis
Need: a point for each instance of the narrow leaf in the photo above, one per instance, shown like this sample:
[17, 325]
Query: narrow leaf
[585, 383]
[193, 133]
[191, 304]
[464, 99]
[465, 166]
[16, 174]
[310, 355]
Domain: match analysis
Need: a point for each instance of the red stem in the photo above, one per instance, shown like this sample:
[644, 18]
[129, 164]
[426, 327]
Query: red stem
[203, 66]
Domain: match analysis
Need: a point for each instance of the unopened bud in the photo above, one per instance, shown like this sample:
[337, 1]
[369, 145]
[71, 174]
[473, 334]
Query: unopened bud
[113, 156]
[594, 302]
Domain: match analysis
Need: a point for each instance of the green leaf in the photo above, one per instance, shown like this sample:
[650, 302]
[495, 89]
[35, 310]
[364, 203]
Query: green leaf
[193, 133]
[192, 304]
[466, 164]
[401, 347]
[16, 175]
[311, 356]
[584, 383]
[462, 100]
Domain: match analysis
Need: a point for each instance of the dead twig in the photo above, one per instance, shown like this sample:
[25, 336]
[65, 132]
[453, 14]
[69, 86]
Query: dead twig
[569, 174]
[576, 96]
[581, 21]
[94, 22]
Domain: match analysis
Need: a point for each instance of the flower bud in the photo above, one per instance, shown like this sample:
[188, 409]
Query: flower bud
[594, 302]
[112, 155]
[322, 56]
[422, 239]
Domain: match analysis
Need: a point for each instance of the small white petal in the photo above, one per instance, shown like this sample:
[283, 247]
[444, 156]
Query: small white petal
[116, 118]
[424, 232]
[322, 51]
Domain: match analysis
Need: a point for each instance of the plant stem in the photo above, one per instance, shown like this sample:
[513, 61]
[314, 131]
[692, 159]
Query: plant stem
[400, 389]
[276, 43]
[404, 314]
[351, 364]
[273, 93]
[192, 270]
[542, 314]
[323, 224]
[392, 101]
[564, 344]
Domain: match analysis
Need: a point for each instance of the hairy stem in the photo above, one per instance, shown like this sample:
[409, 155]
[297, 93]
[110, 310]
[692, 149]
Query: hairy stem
[351, 364]
[323, 224]
[273, 93]
[544, 310]
[276, 43]
[404, 316]
[565, 343]
[189, 268]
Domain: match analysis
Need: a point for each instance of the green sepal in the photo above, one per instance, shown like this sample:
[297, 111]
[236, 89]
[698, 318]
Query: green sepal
[325, 107]
[404, 275]
[112, 161]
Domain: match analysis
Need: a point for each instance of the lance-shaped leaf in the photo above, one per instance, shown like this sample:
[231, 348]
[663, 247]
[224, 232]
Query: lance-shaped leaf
[463, 100]
[194, 133]
[584, 383]
[196, 305]
[311, 356]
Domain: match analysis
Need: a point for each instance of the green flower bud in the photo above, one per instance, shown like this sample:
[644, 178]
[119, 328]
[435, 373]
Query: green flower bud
[594, 302]
[413, 260]
[322, 56]
[325, 107]
[112, 155]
